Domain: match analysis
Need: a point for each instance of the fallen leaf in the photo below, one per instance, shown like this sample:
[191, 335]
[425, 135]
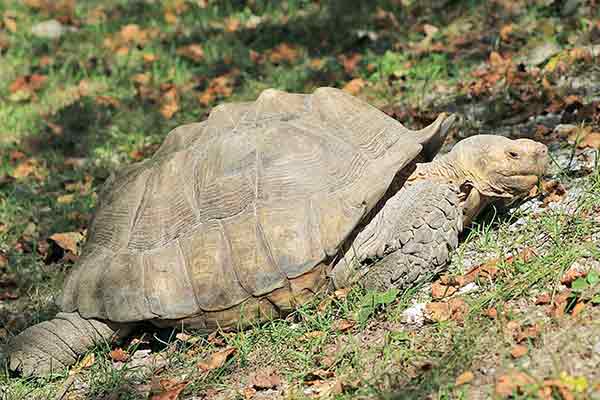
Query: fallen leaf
[119, 354]
[518, 351]
[170, 103]
[194, 52]
[28, 83]
[216, 360]
[465, 377]
[455, 309]
[354, 86]
[491, 312]
[313, 335]
[65, 199]
[509, 383]
[506, 31]
[283, 53]
[232, 24]
[590, 140]
[578, 309]
[68, 241]
[554, 191]
[25, 169]
[439, 291]
[543, 299]
[265, 379]
[571, 275]
[10, 24]
[343, 325]
[172, 393]
[341, 293]
[85, 363]
[184, 337]
[350, 62]
[528, 332]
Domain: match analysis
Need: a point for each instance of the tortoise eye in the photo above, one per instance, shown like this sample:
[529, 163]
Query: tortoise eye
[513, 154]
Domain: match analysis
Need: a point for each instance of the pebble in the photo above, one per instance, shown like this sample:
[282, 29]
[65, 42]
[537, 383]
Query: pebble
[50, 29]
[414, 315]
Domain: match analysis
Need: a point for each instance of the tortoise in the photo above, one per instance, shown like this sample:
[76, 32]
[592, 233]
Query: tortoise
[242, 217]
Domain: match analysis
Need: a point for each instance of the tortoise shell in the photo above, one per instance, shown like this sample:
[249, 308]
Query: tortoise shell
[241, 213]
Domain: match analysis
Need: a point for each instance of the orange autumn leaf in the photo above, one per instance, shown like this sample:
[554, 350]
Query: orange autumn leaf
[68, 241]
[465, 377]
[119, 354]
[283, 53]
[216, 360]
[194, 52]
[170, 392]
[169, 103]
[354, 86]
[29, 83]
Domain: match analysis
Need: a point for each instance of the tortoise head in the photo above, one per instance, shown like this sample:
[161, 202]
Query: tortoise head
[498, 167]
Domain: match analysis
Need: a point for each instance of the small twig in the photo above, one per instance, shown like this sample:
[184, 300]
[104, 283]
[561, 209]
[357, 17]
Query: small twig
[65, 387]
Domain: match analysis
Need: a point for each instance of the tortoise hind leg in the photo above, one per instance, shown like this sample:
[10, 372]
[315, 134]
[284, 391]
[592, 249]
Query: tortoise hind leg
[409, 239]
[53, 345]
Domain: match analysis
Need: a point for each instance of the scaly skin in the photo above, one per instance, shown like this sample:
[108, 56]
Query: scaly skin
[413, 234]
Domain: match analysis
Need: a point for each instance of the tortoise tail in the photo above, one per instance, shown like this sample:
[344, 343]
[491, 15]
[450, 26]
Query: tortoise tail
[56, 344]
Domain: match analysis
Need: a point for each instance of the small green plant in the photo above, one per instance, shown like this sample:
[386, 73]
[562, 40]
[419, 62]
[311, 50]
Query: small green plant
[586, 289]
[373, 302]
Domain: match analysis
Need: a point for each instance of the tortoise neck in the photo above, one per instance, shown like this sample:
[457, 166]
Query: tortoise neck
[444, 169]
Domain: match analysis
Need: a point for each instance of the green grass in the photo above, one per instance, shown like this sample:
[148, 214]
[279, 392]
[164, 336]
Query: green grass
[379, 357]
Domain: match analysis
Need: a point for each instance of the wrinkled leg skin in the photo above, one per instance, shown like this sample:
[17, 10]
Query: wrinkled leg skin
[408, 240]
[53, 345]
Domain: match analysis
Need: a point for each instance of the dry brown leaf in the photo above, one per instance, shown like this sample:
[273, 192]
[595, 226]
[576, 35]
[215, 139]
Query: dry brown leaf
[437, 311]
[506, 31]
[169, 104]
[507, 384]
[283, 53]
[554, 191]
[142, 79]
[16, 155]
[133, 33]
[492, 313]
[216, 360]
[149, 58]
[312, 335]
[119, 354]
[85, 363]
[592, 140]
[572, 275]
[543, 299]
[518, 351]
[232, 24]
[3, 260]
[465, 377]
[28, 83]
[194, 52]
[65, 199]
[265, 379]
[354, 86]
[350, 62]
[439, 291]
[578, 309]
[25, 169]
[341, 293]
[170, 393]
[68, 241]
[10, 24]
[342, 325]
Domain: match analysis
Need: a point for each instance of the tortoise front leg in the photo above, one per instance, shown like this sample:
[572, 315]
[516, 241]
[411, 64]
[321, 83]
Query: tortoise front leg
[410, 238]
